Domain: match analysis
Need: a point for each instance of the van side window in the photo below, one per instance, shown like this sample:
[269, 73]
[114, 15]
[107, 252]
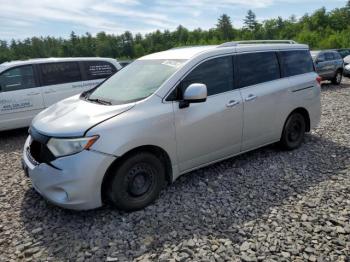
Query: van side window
[255, 68]
[296, 62]
[98, 69]
[216, 74]
[60, 73]
[17, 78]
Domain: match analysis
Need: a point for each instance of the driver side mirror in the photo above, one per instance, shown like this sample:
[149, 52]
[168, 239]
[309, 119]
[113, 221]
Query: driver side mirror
[194, 93]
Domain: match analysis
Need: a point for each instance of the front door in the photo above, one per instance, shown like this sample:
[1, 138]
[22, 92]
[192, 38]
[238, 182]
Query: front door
[20, 97]
[212, 130]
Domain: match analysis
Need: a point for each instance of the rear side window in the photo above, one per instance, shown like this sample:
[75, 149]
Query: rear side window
[17, 78]
[296, 62]
[216, 74]
[329, 56]
[255, 68]
[98, 69]
[60, 73]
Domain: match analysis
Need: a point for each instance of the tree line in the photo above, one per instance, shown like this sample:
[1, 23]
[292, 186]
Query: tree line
[321, 30]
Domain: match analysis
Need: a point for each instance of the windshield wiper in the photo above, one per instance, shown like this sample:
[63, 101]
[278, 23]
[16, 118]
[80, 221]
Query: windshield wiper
[99, 101]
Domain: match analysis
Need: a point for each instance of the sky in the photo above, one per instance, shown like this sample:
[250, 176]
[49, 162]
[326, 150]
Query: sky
[26, 18]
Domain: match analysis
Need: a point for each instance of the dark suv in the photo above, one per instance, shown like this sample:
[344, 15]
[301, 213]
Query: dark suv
[329, 65]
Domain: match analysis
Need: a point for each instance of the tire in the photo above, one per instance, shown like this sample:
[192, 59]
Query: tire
[136, 182]
[337, 79]
[293, 132]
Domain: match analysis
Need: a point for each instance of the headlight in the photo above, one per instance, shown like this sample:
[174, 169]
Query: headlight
[68, 146]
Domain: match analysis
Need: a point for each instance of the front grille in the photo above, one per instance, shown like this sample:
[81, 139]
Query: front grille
[40, 152]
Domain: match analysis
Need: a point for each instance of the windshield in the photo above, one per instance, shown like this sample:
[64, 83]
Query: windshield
[138, 80]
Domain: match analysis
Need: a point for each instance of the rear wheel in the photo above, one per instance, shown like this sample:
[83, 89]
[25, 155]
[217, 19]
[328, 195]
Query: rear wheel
[293, 132]
[137, 182]
[337, 79]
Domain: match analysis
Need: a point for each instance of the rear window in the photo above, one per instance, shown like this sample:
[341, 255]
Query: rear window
[60, 73]
[296, 62]
[255, 68]
[98, 69]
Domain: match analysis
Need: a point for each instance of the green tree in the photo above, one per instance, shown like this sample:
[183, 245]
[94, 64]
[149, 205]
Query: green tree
[321, 29]
[250, 21]
[225, 28]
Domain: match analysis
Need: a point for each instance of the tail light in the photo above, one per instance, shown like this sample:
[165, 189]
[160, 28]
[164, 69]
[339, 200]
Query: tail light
[319, 79]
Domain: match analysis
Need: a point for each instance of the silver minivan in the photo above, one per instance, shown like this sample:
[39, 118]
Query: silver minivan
[169, 113]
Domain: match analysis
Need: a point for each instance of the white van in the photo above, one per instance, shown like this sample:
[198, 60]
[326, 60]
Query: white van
[27, 87]
[166, 114]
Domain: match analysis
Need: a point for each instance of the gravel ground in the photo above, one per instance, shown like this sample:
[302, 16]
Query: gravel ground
[264, 205]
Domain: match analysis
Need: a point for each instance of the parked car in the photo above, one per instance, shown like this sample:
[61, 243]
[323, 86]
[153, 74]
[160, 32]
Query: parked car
[169, 113]
[343, 52]
[329, 65]
[27, 87]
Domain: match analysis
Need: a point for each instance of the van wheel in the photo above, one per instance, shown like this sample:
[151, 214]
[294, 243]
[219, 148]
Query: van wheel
[337, 79]
[137, 182]
[293, 132]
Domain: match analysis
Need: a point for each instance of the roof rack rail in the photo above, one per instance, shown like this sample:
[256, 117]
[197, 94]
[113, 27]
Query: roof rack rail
[247, 42]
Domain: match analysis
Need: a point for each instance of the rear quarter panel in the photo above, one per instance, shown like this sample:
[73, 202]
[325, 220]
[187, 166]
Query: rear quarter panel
[305, 93]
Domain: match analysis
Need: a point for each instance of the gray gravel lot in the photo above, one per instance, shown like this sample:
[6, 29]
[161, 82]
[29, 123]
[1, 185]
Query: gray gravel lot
[264, 205]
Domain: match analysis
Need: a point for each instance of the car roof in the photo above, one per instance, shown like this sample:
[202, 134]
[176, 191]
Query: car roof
[190, 52]
[52, 60]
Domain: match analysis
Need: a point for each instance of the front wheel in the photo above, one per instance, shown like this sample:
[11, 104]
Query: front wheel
[337, 79]
[293, 132]
[137, 182]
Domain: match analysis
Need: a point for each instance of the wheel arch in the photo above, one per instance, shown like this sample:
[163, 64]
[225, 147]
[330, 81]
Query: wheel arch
[304, 113]
[155, 150]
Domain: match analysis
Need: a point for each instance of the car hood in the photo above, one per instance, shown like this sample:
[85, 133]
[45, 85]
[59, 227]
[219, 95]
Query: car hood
[73, 116]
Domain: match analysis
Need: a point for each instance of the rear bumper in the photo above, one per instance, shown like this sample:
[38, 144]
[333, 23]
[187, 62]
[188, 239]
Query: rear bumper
[72, 182]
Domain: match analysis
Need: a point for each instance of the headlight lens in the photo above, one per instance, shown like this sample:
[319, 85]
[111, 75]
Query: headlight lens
[68, 146]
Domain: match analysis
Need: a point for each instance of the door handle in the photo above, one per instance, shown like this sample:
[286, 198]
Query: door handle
[232, 103]
[250, 97]
[33, 94]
